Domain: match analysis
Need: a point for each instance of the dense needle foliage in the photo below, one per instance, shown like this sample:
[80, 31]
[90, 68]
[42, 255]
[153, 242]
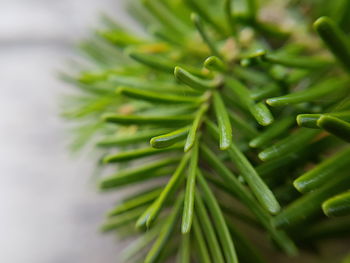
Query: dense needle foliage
[231, 117]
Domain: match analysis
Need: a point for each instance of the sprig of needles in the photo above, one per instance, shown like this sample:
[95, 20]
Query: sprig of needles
[208, 114]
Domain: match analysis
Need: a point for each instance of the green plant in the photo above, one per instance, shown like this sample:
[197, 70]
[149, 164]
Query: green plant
[236, 112]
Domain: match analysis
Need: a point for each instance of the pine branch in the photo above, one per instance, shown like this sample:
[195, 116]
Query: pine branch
[237, 120]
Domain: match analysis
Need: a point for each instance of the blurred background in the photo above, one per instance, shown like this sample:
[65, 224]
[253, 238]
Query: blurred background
[49, 208]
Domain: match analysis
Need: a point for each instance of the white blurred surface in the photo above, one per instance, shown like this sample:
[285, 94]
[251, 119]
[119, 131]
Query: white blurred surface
[49, 208]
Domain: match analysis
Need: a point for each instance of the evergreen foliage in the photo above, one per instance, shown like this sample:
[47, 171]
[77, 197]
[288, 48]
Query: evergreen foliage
[231, 117]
